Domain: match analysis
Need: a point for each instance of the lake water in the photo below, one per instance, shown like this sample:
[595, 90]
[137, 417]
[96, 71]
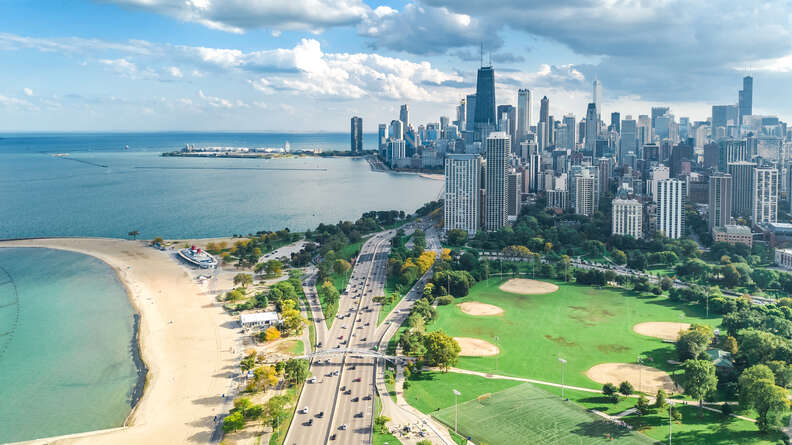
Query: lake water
[42, 195]
[67, 357]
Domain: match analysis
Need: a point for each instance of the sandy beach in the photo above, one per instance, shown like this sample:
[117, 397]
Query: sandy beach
[186, 342]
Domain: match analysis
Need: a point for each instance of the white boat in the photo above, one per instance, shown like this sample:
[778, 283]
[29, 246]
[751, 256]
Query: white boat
[198, 257]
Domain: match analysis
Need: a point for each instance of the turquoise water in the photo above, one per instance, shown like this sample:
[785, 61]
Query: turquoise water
[42, 195]
[67, 357]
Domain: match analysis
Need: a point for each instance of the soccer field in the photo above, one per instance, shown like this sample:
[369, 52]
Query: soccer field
[527, 414]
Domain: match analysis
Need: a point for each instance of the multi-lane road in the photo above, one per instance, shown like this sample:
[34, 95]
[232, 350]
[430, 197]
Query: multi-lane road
[338, 407]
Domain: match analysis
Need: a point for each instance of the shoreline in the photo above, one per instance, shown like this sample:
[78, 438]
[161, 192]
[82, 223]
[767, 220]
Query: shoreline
[146, 421]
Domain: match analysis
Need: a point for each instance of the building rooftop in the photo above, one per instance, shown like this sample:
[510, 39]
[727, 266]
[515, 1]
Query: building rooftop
[734, 229]
[258, 317]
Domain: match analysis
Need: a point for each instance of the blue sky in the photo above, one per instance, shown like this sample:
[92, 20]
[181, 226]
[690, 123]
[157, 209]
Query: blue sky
[308, 65]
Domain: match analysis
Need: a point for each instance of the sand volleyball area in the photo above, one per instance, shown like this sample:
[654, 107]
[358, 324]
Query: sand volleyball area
[524, 286]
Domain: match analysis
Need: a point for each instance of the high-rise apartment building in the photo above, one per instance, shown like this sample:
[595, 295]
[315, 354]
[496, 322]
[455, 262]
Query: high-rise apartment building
[671, 195]
[396, 129]
[396, 153]
[356, 133]
[523, 114]
[720, 200]
[765, 195]
[404, 115]
[731, 150]
[462, 192]
[584, 190]
[508, 113]
[513, 194]
[498, 154]
[627, 219]
[461, 114]
[742, 181]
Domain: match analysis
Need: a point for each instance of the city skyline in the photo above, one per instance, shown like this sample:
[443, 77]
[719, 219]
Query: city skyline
[259, 66]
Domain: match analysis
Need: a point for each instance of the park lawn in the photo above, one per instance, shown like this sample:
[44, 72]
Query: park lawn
[661, 271]
[383, 439]
[431, 390]
[702, 427]
[279, 435]
[584, 325]
[597, 402]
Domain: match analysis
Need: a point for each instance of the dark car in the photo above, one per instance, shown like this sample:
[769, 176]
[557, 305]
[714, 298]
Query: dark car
[367, 397]
[320, 415]
[360, 414]
[332, 437]
[356, 399]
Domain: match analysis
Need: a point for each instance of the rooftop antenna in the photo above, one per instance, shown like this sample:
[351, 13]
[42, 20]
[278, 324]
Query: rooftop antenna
[490, 58]
[482, 53]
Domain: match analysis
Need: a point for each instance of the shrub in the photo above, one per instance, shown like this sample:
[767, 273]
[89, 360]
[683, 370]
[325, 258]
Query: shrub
[626, 388]
[444, 300]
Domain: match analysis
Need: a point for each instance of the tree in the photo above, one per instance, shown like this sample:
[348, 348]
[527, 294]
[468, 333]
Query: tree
[666, 283]
[757, 346]
[660, 399]
[676, 414]
[693, 342]
[642, 406]
[273, 267]
[457, 237]
[243, 405]
[782, 372]
[729, 344]
[134, 234]
[748, 381]
[233, 422]
[341, 266]
[771, 403]
[243, 279]
[699, 379]
[424, 442]
[380, 423]
[441, 350]
[272, 333]
[158, 241]
[248, 362]
[610, 390]
[626, 388]
[265, 376]
[328, 293]
[275, 410]
[296, 370]
[618, 256]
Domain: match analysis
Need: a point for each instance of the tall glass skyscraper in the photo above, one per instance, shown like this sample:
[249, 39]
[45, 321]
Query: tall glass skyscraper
[356, 133]
[485, 119]
[745, 102]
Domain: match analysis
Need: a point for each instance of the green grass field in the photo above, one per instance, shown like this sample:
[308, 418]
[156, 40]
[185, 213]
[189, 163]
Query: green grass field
[527, 414]
[431, 391]
[584, 325]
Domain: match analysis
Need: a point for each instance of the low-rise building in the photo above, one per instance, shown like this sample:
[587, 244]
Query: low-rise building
[259, 320]
[733, 234]
[783, 258]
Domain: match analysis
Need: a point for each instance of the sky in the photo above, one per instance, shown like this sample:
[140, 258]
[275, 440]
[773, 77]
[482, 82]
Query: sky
[309, 65]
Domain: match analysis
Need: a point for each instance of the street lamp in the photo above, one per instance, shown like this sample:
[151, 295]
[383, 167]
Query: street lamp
[563, 365]
[669, 423]
[456, 404]
[640, 374]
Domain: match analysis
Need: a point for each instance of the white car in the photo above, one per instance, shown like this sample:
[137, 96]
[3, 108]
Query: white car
[343, 427]
[304, 410]
[312, 380]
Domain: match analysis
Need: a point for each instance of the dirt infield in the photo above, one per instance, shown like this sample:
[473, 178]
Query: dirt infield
[661, 329]
[474, 347]
[475, 308]
[643, 378]
[525, 286]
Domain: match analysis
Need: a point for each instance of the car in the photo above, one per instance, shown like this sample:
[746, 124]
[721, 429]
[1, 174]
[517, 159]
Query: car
[355, 399]
[367, 323]
[367, 397]
[348, 392]
[343, 388]
[357, 379]
[352, 368]
[343, 427]
[309, 422]
[304, 410]
[335, 373]
[360, 414]
[320, 415]
[363, 339]
[312, 380]
[332, 437]
[340, 337]
[319, 345]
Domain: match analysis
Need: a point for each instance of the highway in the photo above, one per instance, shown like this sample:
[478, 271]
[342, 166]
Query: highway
[340, 403]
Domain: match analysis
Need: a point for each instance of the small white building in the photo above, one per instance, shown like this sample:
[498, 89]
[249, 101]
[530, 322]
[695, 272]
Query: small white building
[783, 258]
[259, 320]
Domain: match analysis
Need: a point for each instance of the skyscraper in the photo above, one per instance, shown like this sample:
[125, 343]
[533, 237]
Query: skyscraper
[498, 155]
[765, 195]
[523, 114]
[584, 192]
[462, 192]
[461, 115]
[628, 140]
[658, 111]
[671, 208]
[356, 132]
[616, 122]
[509, 113]
[596, 95]
[396, 129]
[720, 200]
[592, 125]
[470, 112]
[569, 121]
[627, 219]
[742, 195]
[745, 96]
[404, 115]
[731, 150]
[544, 118]
[382, 135]
[485, 119]
[513, 192]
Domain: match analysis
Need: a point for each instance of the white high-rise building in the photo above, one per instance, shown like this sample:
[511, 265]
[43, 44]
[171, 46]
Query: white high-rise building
[462, 192]
[656, 174]
[498, 155]
[584, 192]
[523, 114]
[397, 152]
[396, 129]
[720, 200]
[596, 96]
[627, 218]
[765, 195]
[670, 199]
[382, 135]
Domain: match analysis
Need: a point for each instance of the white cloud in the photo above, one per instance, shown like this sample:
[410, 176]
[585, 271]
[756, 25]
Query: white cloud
[219, 102]
[28, 91]
[236, 16]
[175, 72]
[16, 103]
